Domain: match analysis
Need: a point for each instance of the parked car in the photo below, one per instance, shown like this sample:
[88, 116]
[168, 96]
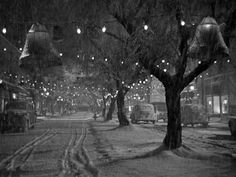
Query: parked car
[161, 111]
[20, 115]
[232, 120]
[232, 127]
[143, 113]
[194, 114]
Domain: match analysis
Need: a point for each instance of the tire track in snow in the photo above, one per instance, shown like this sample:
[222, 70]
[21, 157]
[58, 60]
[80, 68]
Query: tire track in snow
[18, 159]
[76, 161]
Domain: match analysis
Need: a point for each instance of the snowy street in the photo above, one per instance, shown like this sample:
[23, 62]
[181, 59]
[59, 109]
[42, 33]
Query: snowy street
[118, 88]
[53, 148]
[76, 145]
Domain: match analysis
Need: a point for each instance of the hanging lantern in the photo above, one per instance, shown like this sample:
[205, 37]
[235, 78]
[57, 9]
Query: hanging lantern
[38, 49]
[207, 35]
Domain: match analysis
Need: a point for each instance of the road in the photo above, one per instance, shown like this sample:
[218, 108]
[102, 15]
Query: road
[55, 147]
[58, 146]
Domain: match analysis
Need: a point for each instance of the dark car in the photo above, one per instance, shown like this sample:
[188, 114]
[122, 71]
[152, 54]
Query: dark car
[232, 126]
[232, 120]
[161, 111]
[194, 114]
[20, 115]
[143, 112]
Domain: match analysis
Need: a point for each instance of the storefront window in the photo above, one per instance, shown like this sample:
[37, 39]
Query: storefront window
[224, 104]
[216, 104]
[209, 104]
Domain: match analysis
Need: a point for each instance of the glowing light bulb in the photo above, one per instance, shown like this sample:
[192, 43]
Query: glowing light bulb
[191, 87]
[104, 29]
[78, 30]
[207, 25]
[4, 30]
[145, 27]
[182, 23]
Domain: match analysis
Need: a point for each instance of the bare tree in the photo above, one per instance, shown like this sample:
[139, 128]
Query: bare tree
[161, 32]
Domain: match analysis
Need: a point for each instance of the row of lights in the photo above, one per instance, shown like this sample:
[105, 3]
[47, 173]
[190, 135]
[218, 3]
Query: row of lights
[4, 30]
[78, 30]
[104, 29]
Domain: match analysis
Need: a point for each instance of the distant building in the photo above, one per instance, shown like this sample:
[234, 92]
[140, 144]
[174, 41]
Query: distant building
[9, 66]
[157, 93]
[217, 86]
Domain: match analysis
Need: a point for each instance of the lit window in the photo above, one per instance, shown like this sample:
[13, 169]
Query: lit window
[14, 96]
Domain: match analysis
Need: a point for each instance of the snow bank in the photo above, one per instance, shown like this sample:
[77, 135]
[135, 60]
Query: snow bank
[136, 151]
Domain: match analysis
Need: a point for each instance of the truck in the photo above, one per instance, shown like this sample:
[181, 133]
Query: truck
[18, 116]
[17, 111]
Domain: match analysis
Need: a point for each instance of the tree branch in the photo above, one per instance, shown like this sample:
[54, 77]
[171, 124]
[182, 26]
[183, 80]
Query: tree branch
[198, 70]
[115, 36]
[164, 77]
[230, 26]
[183, 62]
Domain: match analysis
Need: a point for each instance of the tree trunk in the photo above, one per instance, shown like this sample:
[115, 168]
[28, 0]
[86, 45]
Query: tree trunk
[173, 138]
[52, 107]
[111, 109]
[121, 109]
[104, 108]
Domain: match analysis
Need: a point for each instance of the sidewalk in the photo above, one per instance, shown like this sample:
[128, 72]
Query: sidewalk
[132, 152]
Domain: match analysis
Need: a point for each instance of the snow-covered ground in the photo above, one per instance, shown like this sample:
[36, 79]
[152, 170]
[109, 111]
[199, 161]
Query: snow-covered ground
[76, 145]
[136, 151]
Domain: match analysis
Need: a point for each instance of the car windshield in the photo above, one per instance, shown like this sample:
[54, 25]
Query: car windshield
[16, 105]
[145, 108]
[161, 107]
